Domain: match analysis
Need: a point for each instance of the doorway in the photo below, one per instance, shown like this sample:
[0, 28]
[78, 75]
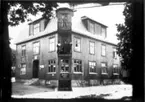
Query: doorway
[35, 68]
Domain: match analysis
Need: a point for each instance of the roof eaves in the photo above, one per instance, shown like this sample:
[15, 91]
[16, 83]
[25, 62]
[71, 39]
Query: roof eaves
[28, 39]
[95, 38]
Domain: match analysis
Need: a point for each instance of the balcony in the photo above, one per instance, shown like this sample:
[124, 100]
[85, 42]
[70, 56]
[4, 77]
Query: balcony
[64, 50]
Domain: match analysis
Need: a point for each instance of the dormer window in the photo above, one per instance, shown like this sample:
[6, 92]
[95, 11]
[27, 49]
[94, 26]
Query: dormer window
[36, 28]
[103, 32]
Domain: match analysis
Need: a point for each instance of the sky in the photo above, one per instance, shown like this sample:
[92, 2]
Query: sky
[108, 15]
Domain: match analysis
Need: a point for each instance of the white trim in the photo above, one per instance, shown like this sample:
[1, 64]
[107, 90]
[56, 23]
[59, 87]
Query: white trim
[115, 73]
[93, 73]
[78, 72]
[51, 72]
[104, 73]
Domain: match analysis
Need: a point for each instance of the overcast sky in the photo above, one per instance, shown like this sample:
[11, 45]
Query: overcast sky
[108, 15]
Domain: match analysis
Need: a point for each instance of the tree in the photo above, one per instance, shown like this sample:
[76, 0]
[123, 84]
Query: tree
[14, 13]
[124, 35]
[130, 46]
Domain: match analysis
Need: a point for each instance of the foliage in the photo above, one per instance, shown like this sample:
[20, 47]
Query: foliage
[125, 31]
[18, 12]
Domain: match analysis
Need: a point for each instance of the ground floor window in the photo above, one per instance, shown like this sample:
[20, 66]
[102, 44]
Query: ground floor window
[77, 65]
[103, 68]
[23, 69]
[92, 67]
[115, 69]
[51, 66]
[64, 65]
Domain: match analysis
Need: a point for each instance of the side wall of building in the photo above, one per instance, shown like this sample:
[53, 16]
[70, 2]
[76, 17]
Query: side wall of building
[43, 57]
[85, 56]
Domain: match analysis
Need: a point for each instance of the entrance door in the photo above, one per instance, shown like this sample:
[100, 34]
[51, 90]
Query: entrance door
[35, 68]
[64, 77]
[64, 69]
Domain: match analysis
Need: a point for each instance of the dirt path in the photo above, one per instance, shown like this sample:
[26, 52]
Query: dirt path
[21, 89]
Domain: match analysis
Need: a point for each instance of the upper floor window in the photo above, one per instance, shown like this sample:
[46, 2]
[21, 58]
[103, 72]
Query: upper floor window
[92, 67]
[97, 29]
[103, 50]
[51, 66]
[51, 44]
[92, 48]
[36, 48]
[115, 69]
[114, 53]
[36, 28]
[103, 32]
[103, 68]
[92, 27]
[77, 43]
[77, 65]
[24, 50]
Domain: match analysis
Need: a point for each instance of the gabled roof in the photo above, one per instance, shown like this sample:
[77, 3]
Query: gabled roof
[77, 27]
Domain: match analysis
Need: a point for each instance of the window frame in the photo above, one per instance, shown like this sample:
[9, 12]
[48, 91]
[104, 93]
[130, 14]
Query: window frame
[94, 62]
[37, 27]
[115, 69]
[102, 68]
[92, 27]
[51, 72]
[102, 28]
[36, 47]
[114, 53]
[52, 37]
[103, 45]
[75, 49]
[23, 54]
[23, 68]
[90, 47]
[74, 64]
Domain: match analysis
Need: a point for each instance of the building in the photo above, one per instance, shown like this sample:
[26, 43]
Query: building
[67, 48]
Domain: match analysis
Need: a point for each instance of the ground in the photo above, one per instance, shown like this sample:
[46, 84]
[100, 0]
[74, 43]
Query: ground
[20, 90]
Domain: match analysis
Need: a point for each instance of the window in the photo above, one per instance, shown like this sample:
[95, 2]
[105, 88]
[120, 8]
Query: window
[36, 28]
[51, 44]
[77, 65]
[103, 32]
[23, 69]
[97, 29]
[103, 49]
[51, 66]
[64, 65]
[114, 53]
[92, 28]
[36, 48]
[77, 44]
[24, 50]
[92, 67]
[103, 68]
[92, 48]
[115, 69]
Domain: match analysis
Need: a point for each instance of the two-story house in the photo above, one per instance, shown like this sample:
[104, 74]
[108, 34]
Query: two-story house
[67, 47]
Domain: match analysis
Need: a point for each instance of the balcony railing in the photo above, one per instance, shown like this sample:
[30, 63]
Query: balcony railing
[64, 49]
